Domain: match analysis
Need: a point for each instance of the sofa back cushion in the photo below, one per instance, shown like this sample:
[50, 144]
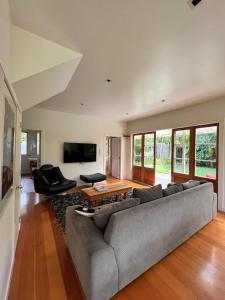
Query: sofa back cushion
[173, 189]
[147, 195]
[144, 234]
[103, 214]
[190, 184]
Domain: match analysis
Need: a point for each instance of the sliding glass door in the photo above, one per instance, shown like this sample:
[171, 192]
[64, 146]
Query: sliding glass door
[144, 157]
[195, 154]
[206, 153]
[181, 144]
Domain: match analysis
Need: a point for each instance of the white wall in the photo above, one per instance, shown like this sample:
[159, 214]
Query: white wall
[204, 113]
[5, 38]
[32, 54]
[58, 127]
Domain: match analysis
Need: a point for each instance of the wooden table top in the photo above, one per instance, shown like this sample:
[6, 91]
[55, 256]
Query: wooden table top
[113, 189]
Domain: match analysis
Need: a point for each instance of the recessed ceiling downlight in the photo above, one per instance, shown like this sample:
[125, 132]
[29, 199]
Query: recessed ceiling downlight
[194, 3]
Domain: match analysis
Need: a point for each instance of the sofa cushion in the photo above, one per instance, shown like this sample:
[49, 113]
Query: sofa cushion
[171, 183]
[202, 181]
[51, 176]
[173, 189]
[190, 184]
[103, 214]
[147, 195]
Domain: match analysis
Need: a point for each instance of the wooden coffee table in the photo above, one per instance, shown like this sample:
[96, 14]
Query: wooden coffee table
[94, 196]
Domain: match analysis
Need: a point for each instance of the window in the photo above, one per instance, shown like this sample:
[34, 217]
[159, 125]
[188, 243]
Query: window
[206, 152]
[23, 143]
[138, 150]
[181, 151]
[149, 150]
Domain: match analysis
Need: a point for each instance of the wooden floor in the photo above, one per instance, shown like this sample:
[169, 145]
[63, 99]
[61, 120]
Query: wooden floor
[43, 269]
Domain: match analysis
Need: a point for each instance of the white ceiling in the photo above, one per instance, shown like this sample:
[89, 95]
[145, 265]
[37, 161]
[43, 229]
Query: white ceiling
[151, 50]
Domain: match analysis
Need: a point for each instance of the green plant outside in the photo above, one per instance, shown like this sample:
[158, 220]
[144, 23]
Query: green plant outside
[164, 167]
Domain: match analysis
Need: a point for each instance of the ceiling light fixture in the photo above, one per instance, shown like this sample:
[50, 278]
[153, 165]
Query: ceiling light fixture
[193, 3]
[108, 80]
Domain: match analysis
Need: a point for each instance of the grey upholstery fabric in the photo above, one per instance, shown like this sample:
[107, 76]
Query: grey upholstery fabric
[215, 208]
[190, 184]
[171, 183]
[143, 235]
[135, 238]
[93, 258]
[147, 195]
[104, 213]
[202, 181]
[173, 189]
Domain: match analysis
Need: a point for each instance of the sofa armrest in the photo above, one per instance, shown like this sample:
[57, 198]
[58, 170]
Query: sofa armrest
[214, 212]
[93, 258]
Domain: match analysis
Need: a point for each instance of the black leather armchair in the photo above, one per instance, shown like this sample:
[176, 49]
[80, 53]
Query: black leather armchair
[49, 180]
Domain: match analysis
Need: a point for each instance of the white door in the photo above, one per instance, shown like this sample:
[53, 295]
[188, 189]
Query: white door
[115, 156]
[10, 119]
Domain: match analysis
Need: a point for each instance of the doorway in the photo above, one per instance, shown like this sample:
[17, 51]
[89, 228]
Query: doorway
[30, 150]
[113, 157]
[144, 157]
[163, 157]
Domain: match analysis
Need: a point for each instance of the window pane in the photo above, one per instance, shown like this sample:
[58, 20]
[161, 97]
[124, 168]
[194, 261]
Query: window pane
[181, 166]
[181, 151]
[23, 140]
[205, 152]
[149, 144]
[138, 150]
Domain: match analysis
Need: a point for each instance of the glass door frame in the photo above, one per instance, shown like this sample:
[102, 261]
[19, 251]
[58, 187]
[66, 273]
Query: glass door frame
[214, 181]
[142, 173]
[179, 177]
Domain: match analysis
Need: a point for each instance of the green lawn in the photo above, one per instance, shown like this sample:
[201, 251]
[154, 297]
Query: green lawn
[165, 168]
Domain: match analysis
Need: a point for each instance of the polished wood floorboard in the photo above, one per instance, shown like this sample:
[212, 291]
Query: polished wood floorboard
[43, 269]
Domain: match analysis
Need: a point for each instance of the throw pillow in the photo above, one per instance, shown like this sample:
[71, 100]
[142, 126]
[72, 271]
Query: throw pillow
[173, 189]
[190, 184]
[147, 195]
[51, 176]
[202, 181]
[171, 183]
[102, 216]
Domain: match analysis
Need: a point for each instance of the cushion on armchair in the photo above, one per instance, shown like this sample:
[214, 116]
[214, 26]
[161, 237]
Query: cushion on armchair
[51, 176]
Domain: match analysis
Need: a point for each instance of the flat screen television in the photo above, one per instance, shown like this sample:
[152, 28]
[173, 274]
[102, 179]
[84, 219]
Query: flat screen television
[78, 153]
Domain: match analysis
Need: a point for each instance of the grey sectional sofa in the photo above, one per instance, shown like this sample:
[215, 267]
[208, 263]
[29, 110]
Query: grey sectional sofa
[135, 239]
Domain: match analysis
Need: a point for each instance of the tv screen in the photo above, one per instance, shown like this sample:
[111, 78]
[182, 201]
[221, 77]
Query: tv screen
[77, 152]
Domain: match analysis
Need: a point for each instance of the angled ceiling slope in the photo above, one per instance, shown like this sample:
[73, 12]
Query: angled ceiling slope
[41, 69]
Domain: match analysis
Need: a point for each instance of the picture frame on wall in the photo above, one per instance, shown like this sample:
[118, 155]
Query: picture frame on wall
[7, 143]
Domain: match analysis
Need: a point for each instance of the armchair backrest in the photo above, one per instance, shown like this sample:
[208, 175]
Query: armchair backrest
[40, 186]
